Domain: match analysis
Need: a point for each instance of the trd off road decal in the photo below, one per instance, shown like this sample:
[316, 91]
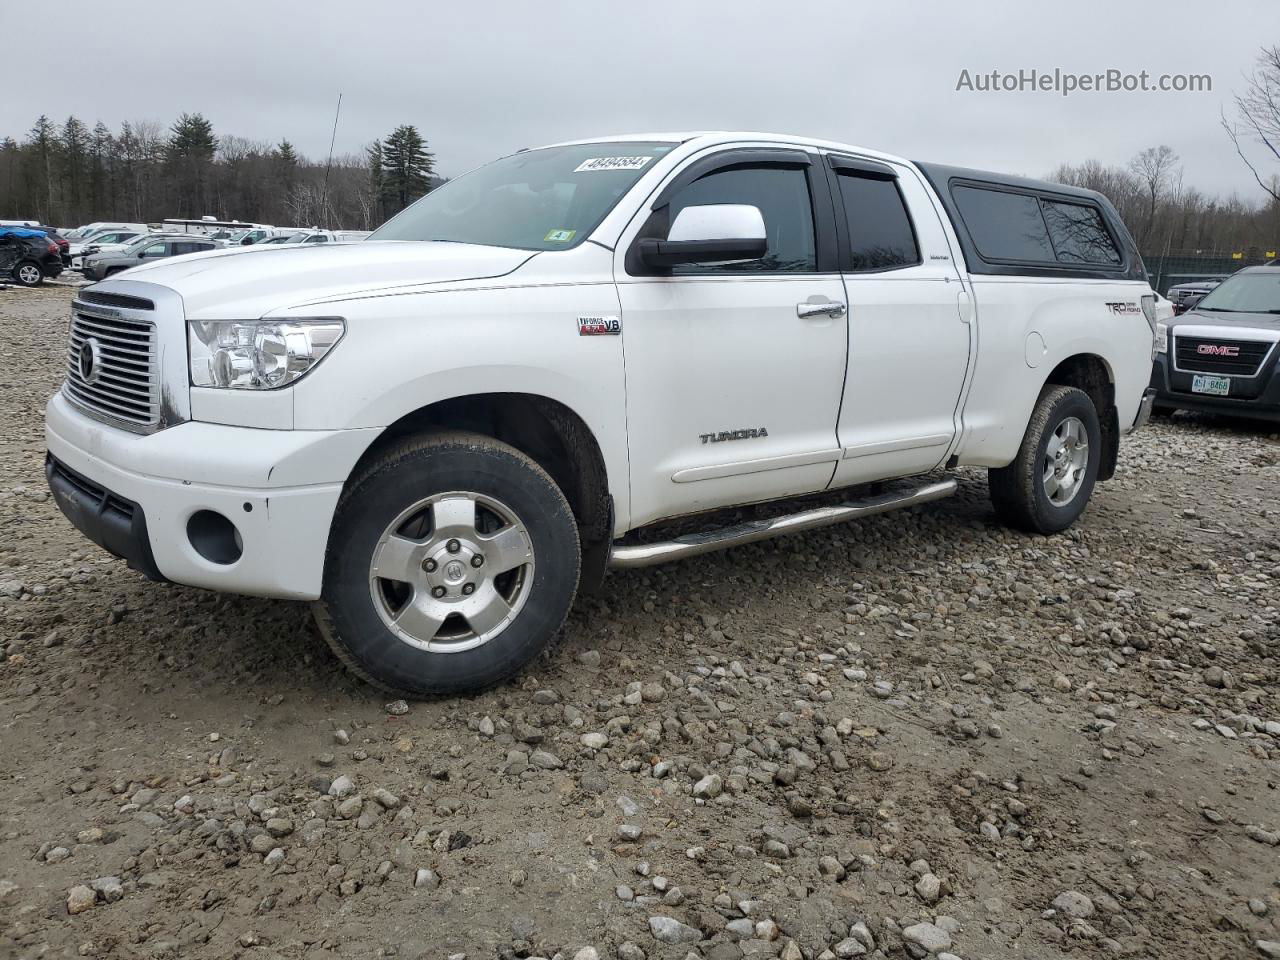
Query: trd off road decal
[1124, 307]
[723, 435]
[599, 326]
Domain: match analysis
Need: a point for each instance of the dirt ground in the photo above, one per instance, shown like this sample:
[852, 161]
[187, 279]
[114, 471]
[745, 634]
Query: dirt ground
[919, 733]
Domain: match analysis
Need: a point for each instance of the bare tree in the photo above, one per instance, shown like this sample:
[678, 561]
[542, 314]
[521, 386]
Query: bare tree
[1258, 116]
[1157, 170]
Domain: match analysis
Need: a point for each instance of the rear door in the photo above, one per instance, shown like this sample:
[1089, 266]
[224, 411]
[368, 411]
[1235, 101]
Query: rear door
[910, 330]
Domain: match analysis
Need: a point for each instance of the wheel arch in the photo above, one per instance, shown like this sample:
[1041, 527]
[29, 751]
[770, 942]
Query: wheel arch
[1092, 373]
[548, 431]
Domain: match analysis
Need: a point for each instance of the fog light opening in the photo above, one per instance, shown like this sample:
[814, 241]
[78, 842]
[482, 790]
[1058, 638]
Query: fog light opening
[214, 537]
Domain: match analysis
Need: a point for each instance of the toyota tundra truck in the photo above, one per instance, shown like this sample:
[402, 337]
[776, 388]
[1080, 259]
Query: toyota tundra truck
[438, 436]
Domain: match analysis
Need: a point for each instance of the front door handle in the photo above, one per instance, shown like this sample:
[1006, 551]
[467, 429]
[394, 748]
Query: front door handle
[822, 308]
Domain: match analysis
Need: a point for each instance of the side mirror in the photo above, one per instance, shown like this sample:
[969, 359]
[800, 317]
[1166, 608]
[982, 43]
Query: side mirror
[711, 233]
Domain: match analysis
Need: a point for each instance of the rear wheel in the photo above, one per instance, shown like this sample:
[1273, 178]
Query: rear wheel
[452, 562]
[1048, 485]
[28, 273]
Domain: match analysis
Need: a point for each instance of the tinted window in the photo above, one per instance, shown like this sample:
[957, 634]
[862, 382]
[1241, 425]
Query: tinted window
[155, 250]
[880, 234]
[781, 193]
[1004, 226]
[1078, 233]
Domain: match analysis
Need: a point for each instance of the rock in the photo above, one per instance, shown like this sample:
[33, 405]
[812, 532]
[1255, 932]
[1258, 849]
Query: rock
[849, 947]
[350, 808]
[670, 930]
[279, 827]
[629, 831]
[927, 936]
[630, 951]
[545, 760]
[589, 659]
[110, 889]
[386, 799]
[594, 741]
[342, 786]
[426, 879]
[1268, 948]
[587, 953]
[397, 708]
[7, 889]
[1072, 904]
[879, 761]
[709, 787]
[929, 888]
[274, 857]
[80, 898]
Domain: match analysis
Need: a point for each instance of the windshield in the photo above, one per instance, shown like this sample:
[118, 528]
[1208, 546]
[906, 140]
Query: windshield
[1245, 293]
[549, 199]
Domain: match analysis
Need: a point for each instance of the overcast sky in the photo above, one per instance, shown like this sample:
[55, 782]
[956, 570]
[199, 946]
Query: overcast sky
[483, 78]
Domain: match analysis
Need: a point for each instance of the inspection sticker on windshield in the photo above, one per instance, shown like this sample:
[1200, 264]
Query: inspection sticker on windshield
[559, 236]
[612, 163]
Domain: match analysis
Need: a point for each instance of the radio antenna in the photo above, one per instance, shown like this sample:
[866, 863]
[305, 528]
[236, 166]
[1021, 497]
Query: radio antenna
[324, 196]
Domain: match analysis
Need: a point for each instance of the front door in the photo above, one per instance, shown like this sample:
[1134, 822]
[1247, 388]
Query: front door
[910, 324]
[734, 370]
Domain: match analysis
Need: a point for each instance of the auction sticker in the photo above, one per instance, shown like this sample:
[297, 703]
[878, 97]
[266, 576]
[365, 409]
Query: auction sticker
[559, 236]
[611, 163]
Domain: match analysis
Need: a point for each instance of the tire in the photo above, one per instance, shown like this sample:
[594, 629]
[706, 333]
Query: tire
[28, 273]
[113, 270]
[1030, 497]
[407, 513]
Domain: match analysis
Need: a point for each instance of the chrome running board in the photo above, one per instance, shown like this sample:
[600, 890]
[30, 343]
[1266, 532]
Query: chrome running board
[692, 544]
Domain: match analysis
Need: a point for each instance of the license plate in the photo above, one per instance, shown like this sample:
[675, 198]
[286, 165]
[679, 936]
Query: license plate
[1218, 386]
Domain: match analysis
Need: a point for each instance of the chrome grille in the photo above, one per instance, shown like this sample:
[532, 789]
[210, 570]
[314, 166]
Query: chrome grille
[123, 382]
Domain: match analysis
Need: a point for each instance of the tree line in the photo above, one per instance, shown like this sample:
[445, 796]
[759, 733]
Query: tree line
[69, 174]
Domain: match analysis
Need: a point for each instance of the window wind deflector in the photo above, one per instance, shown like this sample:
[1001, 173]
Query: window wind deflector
[863, 168]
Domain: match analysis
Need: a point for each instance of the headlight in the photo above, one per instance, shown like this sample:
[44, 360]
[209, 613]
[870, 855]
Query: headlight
[258, 354]
[1162, 338]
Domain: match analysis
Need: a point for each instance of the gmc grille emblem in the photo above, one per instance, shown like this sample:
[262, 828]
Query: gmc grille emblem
[1217, 350]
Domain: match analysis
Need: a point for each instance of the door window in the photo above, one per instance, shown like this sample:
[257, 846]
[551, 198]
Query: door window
[880, 232]
[781, 193]
[154, 250]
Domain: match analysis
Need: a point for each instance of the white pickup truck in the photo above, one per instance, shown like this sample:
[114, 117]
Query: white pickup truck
[440, 434]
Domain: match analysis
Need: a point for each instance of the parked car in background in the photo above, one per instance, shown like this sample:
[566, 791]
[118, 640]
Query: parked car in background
[27, 256]
[64, 245]
[327, 237]
[88, 230]
[437, 437]
[156, 246]
[1222, 355]
[102, 238]
[1184, 296]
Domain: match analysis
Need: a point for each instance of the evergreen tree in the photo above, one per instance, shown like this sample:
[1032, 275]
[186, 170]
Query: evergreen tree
[376, 210]
[189, 154]
[74, 144]
[285, 161]
[42, 143]
[406, 167]
[101, 176]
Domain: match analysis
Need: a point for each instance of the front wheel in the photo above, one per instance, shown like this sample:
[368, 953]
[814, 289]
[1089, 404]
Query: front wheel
[28, 273]
[1048, 485]
[452, 563]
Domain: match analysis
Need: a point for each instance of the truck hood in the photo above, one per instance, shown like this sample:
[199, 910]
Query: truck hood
[250, 282]
[1212, 318]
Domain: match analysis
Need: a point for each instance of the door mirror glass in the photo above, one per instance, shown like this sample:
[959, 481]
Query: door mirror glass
[710, 233]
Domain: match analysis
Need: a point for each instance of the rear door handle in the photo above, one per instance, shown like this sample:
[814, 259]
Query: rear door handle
[822, 308]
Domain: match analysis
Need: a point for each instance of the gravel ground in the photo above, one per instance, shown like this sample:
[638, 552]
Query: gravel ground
[917, 734]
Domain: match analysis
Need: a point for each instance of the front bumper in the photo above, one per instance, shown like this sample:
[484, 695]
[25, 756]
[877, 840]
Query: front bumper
[138, 493]
[1259, 400]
